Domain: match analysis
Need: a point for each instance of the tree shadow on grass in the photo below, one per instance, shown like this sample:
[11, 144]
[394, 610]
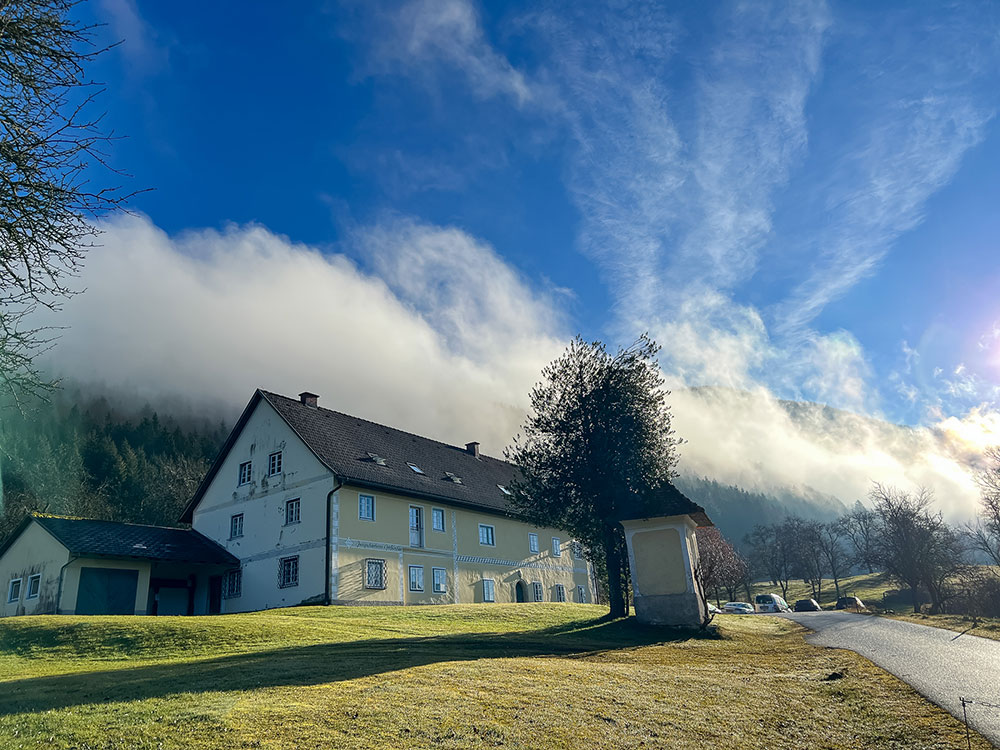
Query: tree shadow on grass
[318, 664]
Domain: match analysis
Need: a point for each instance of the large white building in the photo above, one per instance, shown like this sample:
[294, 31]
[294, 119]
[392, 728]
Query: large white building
[305, 505]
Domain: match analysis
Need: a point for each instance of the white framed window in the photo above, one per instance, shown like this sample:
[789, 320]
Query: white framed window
[416, 578]
[288, 572]
[488, 592]
[536, 589]
[375, 576]
[560, 592]
[274, 464]
[236, 526]
[14, 590]
[232, 584]
[246, 472]
[533, 542]
[292, 511]
[556, 547]
[437, 519]
[366, 507]
[487, 535]
[577, 550]
[440, 580]
[581, 594]
[34, 585]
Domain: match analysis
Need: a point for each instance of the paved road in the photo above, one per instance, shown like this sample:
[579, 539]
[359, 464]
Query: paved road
[941, 664]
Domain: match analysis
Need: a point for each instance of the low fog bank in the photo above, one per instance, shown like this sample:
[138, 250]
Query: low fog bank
[432, 332]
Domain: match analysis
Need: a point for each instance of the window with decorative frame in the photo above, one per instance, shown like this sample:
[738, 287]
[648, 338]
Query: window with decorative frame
[232, 584]
[487, 535]
[274, 464]
[489, 594]
[440, 580]
[375, 574]
[292, 511]
[581, 594]
[560, 592]
[556, 547]
[536, 588]
[437, 519]
[34, 586]
[532, 542]
[416, 578]
[288, 572]
[366, 507]
[14, 590]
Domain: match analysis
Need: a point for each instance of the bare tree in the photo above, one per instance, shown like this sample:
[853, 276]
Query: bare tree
[721, 564]
[49, 140]
[803, 540]
[860, 527]
[914, 545]
[984, 534]
[830, 539]
[772, 554]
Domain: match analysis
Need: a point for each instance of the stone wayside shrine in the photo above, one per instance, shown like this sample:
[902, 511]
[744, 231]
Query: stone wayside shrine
[662, 553]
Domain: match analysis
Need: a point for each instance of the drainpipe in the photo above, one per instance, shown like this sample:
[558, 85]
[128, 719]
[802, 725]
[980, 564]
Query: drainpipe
[328, 597]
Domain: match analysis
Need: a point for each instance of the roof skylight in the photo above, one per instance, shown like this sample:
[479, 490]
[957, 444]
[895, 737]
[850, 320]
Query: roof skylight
[504, 490]
[452, 477]
[415, 468]
[376, 458]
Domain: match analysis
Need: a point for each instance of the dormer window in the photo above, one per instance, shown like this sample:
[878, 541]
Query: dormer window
[453, 478]
[416, 469]
[376, 459]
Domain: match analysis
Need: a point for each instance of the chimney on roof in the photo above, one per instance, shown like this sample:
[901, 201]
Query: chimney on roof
[309, 399]
[472, 448]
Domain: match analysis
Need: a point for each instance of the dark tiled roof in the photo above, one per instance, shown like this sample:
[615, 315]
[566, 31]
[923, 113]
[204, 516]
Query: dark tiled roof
[670, 501]
[83, 536]
[343, 443]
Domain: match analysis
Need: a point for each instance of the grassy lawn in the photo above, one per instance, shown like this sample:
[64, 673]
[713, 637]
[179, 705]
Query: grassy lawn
[514, 676]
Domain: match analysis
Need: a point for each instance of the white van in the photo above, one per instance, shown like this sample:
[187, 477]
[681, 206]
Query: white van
[770, 603]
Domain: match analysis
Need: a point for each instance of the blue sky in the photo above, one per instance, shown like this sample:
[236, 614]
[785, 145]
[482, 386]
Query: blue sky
[794, 197]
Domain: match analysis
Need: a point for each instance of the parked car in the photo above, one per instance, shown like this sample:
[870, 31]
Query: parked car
[771, 603]
[738, 608]
[713, 610]
[807, 605]
[850, 602]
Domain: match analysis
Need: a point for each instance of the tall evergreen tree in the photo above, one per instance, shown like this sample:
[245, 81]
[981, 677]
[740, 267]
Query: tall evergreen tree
[597, 443]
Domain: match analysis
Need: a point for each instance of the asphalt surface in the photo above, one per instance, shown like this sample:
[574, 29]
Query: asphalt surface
[942, 665]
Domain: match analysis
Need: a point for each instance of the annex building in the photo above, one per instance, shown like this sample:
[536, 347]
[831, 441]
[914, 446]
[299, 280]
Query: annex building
[305, 505]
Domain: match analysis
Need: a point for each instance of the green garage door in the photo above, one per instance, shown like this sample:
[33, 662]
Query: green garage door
[106, 591]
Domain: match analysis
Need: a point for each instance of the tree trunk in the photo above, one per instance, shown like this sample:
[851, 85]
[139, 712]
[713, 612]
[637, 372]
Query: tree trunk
[616, 587]
[916, 599]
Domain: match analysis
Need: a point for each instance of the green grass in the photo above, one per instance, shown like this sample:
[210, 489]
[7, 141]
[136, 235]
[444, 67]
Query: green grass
[470, 676]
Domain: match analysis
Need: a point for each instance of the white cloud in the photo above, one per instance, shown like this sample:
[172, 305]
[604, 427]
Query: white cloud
[435, 33]
[214, 315]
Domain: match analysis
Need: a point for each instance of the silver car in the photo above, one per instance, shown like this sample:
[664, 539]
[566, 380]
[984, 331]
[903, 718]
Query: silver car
[737, 608]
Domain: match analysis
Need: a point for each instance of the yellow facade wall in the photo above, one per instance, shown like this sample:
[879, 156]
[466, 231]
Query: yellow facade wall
[457, 549]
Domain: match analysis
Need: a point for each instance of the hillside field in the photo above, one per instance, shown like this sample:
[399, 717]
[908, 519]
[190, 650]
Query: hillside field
[513, 676]
[869, 588]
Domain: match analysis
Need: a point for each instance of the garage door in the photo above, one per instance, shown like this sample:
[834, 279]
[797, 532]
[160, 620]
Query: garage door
[106, 591]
